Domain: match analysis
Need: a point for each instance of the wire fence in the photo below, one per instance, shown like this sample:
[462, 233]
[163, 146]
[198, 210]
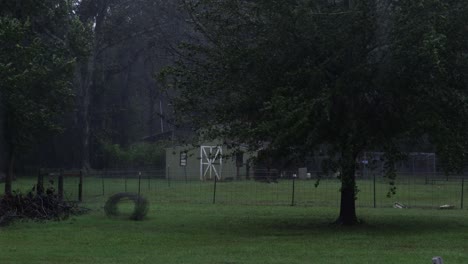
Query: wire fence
[420, 190]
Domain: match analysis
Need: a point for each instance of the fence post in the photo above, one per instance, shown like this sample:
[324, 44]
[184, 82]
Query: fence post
[80, 187]
[60, 185]
[214, 189]
[375, 204]
[149, 181]
[125, 180]
[293, 189]
[462, 192]
[40, 183]
[102, 180]
[139, 183]
[168, 176]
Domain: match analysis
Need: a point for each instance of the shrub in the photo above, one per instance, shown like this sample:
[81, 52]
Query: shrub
[139, 155]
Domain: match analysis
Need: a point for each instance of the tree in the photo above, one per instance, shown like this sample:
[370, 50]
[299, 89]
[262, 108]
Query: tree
[115, 84]
[294, 77]
[38, 42]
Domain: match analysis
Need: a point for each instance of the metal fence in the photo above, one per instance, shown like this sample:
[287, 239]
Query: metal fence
[421, 190]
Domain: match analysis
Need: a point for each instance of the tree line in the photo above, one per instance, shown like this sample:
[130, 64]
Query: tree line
[77, 79]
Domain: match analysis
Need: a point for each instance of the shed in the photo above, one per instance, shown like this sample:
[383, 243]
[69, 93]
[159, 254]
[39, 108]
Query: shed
[205, 162]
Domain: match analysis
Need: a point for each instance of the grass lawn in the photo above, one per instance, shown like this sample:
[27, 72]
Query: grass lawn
[250, 223]
[191, 233]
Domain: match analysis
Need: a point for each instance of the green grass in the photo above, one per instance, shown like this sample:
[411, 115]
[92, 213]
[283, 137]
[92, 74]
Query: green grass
[183, 226]
[176, 233]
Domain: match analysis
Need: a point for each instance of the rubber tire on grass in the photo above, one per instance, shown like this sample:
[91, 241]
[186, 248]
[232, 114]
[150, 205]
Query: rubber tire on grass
[139, 212]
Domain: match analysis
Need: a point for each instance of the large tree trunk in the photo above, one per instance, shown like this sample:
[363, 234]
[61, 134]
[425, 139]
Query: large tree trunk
[9, 157]
[125, 106]
[9, 169]
[3, 154]
[83, 82]
[6, 149]
[348, 189]
[347, 206]
[86, 75]
[151, 103]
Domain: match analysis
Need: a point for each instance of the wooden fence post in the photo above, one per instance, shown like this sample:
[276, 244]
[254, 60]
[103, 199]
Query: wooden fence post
[80, 187]
[60, 185]
[40, 183]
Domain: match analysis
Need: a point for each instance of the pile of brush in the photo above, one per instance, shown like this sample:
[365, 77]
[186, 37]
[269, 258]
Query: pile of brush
[34, 206]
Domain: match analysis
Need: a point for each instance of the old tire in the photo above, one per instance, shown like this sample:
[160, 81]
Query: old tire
[140, 209]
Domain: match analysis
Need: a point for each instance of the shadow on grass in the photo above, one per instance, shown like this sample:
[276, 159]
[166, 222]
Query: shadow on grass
[375, 222]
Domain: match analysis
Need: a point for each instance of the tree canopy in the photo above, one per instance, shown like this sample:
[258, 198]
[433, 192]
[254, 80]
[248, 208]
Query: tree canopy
[39, 43]
[294, 77]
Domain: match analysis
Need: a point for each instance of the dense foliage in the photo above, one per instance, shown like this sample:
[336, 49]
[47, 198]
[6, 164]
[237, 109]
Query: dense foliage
[35, 81]
[136, 155]
[39, 44]
[84, 69]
